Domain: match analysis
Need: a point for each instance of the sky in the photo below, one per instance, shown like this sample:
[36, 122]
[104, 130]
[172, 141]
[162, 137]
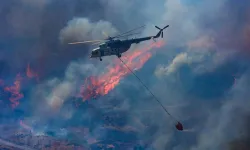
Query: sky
[200, 73]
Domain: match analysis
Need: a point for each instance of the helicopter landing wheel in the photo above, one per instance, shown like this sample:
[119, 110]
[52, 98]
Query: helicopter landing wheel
[100, 59]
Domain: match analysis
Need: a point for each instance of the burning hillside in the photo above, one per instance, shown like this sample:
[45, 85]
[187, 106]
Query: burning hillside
[93, 86]
[13, 94]
[13, 91]
[102, 85]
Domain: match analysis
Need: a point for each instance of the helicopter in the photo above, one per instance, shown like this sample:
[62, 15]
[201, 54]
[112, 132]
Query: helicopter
[115, 46]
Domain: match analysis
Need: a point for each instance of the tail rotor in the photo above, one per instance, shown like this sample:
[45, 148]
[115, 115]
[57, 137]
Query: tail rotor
[161, 30]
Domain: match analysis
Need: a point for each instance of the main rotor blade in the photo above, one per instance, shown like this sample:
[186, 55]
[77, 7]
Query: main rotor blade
[129, 31]
[96, 43]
[158, 27]
[105, 34]
[86, 42]
[165, 27]
[129, 34]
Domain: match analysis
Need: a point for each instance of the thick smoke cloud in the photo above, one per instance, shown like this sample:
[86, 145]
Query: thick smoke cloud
[207, 44]
[80, 29]
[204, 67]
[30, 31]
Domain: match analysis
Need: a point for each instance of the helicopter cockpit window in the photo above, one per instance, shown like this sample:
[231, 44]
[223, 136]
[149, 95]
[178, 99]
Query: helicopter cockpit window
[95, 52]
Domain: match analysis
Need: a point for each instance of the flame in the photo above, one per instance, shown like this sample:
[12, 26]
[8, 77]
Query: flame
[30, 73]
[15, 91]
[102, 85]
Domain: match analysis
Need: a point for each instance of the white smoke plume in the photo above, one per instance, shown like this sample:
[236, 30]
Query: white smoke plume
[80, 29]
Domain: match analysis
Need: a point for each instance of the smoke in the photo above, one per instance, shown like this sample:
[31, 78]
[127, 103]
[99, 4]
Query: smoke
[30, 32]
[207, 43]
[177, 62]
[80, 29]
[54, 92]
[224, 125]
[201, 72]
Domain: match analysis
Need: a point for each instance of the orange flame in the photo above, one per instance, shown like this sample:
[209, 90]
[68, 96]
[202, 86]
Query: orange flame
[25, 126]
[30, 73]
[99, 86]
[15, 92]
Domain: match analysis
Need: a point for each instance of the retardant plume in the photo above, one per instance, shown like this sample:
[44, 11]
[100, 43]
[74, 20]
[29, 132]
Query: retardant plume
[102, 85]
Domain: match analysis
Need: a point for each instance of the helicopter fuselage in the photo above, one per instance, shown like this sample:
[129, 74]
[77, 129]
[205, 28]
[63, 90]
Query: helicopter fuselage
[115, 47]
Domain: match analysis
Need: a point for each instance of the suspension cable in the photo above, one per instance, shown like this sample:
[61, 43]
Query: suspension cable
[148, 90]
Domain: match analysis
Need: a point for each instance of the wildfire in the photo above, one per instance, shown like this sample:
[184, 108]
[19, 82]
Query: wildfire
[15, 91]
[1, 82]
[30, 73]
[93, 86]
[102, 85]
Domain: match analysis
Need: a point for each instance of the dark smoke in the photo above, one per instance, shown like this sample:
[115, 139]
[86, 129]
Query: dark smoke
[30, 31]
[207, 45]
